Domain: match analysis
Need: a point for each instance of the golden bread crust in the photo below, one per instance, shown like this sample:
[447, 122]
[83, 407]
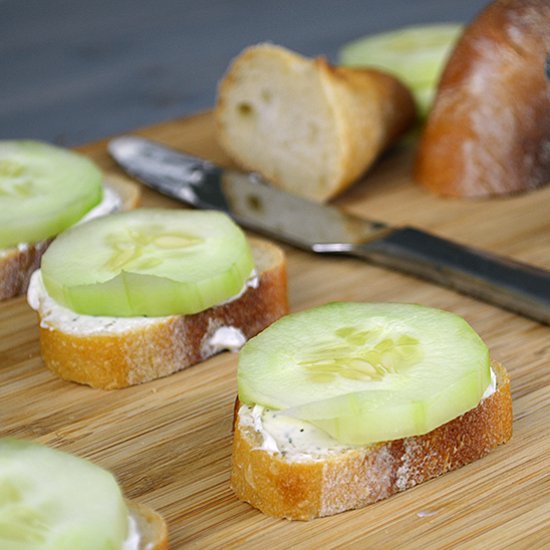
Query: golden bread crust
[357, 477]
[489, 130]
[110, 361]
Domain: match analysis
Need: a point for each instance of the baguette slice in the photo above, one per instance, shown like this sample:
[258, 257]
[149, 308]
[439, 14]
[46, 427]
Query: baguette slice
[106, 358]
[489, 130]
[18, 264]
[305, 125]
[303, 489]
[151, 527]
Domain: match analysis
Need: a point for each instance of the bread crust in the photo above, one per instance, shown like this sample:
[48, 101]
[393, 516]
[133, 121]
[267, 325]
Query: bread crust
[489, 130]
[122, 359]
[368, 110]
[18, 264]
[372, 110]
[308, 489]
[151, 526]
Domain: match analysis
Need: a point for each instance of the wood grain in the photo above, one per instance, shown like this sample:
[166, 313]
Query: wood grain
[168, 441]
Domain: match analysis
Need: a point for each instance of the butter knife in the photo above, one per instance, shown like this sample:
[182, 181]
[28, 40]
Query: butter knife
[512, 285]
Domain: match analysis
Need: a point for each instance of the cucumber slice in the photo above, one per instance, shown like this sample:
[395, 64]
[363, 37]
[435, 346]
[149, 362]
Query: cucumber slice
[50, 500]
[367, 372]
[148, 262]
[416, 55]
[43, 190]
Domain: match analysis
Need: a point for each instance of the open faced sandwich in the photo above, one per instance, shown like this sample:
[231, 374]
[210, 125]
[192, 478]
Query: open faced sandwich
[44, 190]
[138, 295]
[348, 403]
[51, 500]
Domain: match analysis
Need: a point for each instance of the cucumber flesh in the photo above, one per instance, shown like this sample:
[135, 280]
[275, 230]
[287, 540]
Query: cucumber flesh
[50, 500]
[43, 190]
[416, 55]
[367, 372]
[149, 262]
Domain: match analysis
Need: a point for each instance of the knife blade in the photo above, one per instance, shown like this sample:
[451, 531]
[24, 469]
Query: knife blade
[509, 284]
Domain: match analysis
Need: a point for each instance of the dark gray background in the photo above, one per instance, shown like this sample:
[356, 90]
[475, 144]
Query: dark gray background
[73, 71]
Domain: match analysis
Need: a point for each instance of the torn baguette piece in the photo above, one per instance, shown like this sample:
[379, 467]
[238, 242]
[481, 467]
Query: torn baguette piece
[302, 484]
[306, 126]
[110, 352]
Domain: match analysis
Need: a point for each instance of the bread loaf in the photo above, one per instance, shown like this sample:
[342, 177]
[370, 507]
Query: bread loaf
[489, 130]
[306, 126]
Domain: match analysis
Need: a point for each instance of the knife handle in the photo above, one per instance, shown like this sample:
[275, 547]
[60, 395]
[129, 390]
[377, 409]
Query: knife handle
[512, 285]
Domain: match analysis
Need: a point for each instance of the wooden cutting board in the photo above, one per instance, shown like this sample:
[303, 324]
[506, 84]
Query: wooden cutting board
[169, 441]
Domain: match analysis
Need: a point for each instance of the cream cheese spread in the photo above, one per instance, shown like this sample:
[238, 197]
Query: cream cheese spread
[55, 316]
[222, 338]
[110, 203]
[299, 440]
[491, 388]
[132, 537]
[293, 438]
[253, 281]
